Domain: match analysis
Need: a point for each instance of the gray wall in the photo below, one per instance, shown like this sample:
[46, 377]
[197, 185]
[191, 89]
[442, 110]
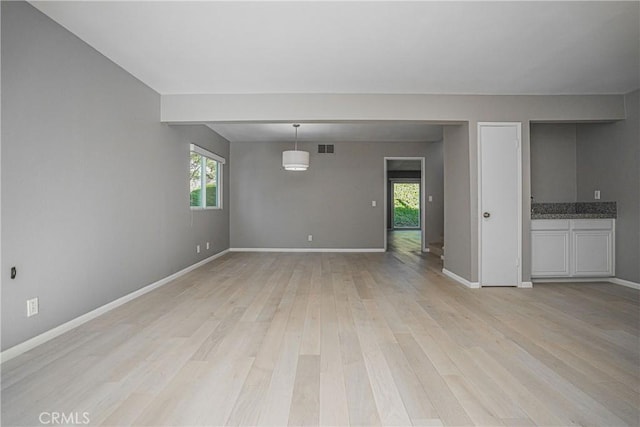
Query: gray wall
[95, 199]
[457, 208]
[435, 188]
[344, 107]
[553, 162]
[609, 160]
[273, 208]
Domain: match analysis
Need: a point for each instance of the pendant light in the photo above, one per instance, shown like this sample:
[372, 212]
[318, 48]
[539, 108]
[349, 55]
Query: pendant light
[294, 160]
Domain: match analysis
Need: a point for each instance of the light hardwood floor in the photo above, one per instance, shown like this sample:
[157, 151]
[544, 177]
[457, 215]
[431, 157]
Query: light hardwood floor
[341, 339]
[404, 241]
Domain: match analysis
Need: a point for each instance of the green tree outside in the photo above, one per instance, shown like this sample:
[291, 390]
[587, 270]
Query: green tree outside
[211, 196]
[406, 205]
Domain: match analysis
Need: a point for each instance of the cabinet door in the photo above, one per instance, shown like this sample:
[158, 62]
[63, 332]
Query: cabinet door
[592, 253]
[550, 253]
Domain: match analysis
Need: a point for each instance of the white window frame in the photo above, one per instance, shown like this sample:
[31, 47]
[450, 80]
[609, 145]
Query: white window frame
[203, 185]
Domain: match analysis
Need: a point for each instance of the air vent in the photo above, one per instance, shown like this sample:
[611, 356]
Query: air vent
[325, 148]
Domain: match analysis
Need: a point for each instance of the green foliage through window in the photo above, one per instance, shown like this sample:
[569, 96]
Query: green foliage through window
[204, 173]
[406, 205]
[212, 196]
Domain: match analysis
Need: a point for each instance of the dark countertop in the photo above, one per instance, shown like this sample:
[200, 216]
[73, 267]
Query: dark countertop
[572, 216]
[573, 210]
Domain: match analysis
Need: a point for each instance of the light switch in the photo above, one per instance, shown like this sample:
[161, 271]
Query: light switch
[431, 198]
[373, 203]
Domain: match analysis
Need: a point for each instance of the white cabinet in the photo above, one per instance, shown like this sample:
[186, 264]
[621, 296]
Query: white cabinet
[550, 253]
[572, 248]
[592, 247]
[550, 248]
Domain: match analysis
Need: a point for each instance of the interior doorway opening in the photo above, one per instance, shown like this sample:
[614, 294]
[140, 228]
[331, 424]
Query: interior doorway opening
[404, 204]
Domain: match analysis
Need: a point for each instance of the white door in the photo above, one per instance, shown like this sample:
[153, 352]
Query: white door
[500, 203]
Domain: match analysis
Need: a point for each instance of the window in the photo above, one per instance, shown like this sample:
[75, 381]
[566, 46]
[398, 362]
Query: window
[205, 179]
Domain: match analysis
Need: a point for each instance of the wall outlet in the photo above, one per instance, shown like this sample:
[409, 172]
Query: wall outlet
[208, 245]
[197, 248]
[310, 237]
[373, 203]
[596, 195]
[32, 307]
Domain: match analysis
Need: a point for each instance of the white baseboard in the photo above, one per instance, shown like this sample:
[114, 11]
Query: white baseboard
[307, 250]
[31, 343]
[571, 279]
[462, 280]
[614, 280]
[627, 283]
[476, 285]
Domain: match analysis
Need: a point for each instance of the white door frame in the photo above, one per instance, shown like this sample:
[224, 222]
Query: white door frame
[518, 126]
[423, 206]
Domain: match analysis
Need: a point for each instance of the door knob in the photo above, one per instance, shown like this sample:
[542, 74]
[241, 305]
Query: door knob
[486, 214]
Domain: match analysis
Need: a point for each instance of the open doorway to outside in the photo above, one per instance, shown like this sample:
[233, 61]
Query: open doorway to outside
[404, 204]
[405, 212]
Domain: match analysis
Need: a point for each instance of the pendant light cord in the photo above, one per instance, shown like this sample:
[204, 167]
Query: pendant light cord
[296, 126]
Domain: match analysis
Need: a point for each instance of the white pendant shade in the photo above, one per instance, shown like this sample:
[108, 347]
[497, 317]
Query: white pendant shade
[294, 160]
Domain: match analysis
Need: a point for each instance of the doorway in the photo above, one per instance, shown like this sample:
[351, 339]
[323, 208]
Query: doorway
[404, 217]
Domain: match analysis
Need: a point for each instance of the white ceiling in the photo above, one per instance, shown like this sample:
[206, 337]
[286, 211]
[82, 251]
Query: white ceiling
[365, 47]
[329, 132]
